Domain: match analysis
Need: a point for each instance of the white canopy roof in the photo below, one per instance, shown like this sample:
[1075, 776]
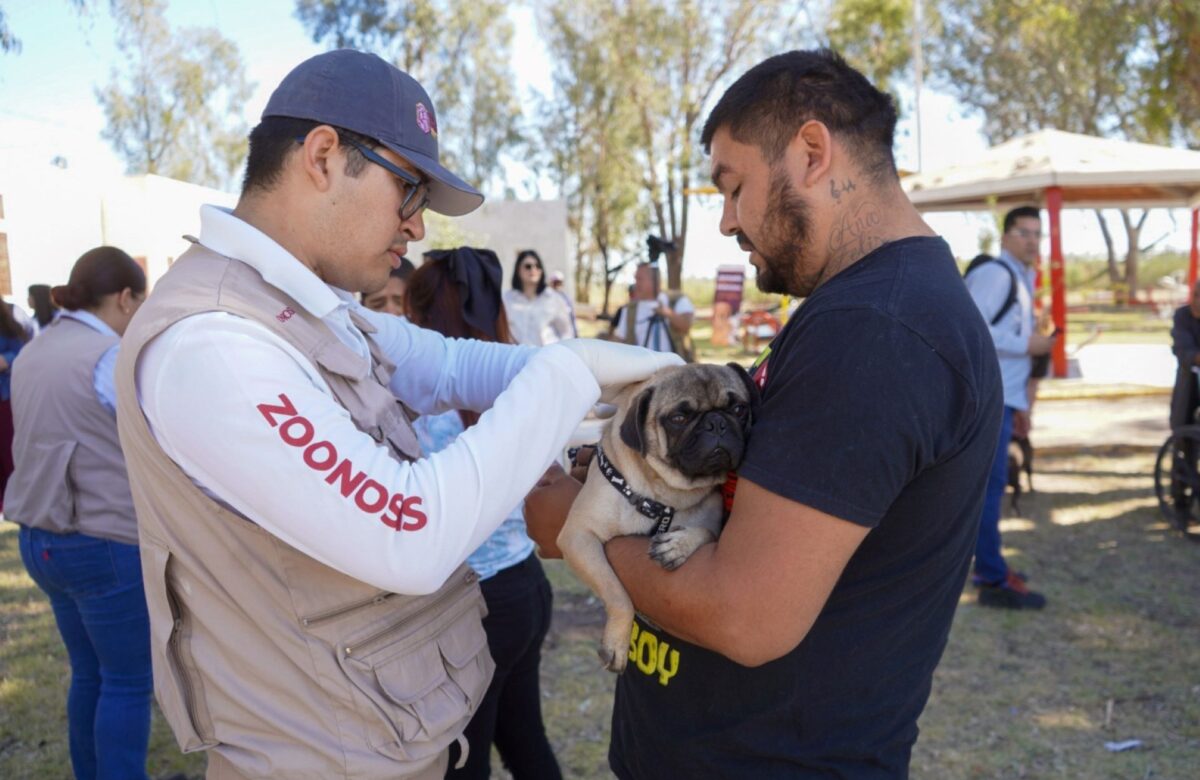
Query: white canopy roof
[1092, 172]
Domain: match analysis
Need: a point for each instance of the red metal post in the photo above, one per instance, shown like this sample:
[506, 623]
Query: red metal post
[1058, 304]
[1195, 256]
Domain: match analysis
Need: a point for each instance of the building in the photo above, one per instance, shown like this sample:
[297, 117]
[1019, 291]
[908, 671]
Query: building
[50, 215]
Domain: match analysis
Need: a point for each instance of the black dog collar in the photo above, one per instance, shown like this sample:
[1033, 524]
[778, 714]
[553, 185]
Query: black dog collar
[655, 510]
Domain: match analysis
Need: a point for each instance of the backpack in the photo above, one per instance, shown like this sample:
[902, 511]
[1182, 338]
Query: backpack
[1011, 300]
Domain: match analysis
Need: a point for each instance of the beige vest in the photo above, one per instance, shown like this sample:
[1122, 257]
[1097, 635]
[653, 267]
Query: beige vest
[70, 474]
[282, 666]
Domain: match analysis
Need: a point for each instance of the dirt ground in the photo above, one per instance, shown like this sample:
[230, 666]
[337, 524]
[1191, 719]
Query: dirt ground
[1115, 656]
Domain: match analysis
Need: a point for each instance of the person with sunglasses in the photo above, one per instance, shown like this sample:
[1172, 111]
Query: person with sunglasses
[310, 611]
[537, 314]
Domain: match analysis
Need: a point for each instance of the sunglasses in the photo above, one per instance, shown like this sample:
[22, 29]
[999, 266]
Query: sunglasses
[416, 191]
[530, 266]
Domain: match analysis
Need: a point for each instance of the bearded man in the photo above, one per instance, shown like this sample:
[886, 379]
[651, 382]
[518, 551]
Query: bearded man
[802, 643]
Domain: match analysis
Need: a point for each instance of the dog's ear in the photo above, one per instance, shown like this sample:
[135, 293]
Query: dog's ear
[751, 388]
[633, 427]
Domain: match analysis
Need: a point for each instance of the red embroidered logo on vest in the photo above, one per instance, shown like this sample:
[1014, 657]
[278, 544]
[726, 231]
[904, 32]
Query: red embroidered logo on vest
[286, 314]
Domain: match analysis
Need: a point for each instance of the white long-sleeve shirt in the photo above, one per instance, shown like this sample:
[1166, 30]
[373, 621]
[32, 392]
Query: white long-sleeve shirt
[202, 381]
[988, 285]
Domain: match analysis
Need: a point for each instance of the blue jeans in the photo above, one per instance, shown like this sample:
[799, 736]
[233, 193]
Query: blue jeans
[95, 589]
[989, 562]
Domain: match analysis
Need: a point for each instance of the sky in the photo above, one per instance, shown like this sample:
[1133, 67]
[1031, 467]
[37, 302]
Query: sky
[48, 108]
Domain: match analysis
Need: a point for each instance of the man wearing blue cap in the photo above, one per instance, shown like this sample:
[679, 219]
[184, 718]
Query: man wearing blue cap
[311, 615]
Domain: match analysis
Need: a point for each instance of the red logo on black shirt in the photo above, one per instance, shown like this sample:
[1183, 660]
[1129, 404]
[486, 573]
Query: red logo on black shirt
[759, 375]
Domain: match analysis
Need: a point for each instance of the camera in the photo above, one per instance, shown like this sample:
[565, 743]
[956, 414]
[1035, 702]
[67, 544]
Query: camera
[656, 246]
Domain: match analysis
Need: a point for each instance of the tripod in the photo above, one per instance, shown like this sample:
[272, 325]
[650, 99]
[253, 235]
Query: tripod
[657, 324]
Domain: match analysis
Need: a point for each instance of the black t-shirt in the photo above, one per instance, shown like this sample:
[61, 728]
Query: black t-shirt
[881, 405]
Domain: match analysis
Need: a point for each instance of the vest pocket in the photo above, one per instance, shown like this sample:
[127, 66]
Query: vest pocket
[418, 684]
[175, 685]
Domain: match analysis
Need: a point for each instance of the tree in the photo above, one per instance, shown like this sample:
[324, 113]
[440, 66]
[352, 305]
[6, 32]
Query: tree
[686, 52]
[9, 42]
[458, 49]
[588, 136]
[1084, 66]
[174, 106]
[668, 60]
[873, 36]
[1173, 107]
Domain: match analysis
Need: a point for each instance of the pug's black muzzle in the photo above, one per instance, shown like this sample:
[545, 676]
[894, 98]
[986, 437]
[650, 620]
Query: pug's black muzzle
[714, 446]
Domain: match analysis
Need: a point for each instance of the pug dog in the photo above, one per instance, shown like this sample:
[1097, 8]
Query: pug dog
[658, 470]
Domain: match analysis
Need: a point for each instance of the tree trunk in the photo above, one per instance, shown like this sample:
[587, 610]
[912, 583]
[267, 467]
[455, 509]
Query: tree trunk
[1133, 251]
[608, 280]
[1114, 273]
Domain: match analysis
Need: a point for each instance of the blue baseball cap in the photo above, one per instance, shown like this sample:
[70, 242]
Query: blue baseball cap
[366, 94]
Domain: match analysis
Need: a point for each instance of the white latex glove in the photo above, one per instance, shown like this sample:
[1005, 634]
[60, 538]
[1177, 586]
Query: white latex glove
[615, 365]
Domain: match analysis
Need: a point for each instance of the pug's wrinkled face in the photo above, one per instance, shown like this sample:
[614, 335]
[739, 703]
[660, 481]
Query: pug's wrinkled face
[691, 423]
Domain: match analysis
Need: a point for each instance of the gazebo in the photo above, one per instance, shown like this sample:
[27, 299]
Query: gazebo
[1054, 169]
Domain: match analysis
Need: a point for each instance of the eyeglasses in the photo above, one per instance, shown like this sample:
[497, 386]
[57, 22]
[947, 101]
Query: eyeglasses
[416, 195]
[530, 267]
[1023, 233]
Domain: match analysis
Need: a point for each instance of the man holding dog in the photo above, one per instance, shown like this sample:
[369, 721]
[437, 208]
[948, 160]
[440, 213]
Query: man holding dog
[802, 643]
[311, 616]
[1003, 291]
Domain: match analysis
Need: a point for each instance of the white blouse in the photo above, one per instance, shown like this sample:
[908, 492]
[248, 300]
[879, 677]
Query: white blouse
[537, 321]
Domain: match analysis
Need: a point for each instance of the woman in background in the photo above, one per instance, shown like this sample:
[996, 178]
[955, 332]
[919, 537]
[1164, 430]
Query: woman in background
[457, 293]
[390, 298]
[537, 315]
[70, 495]
[12, 337]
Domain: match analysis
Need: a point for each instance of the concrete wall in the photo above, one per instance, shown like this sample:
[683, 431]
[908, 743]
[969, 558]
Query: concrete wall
[506, 227]
[53, 215]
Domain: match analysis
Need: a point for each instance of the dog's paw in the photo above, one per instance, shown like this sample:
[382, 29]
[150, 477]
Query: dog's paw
[613, 660]
[671, 548]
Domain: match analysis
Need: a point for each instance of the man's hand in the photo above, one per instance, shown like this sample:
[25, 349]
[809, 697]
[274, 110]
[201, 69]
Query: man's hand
[1041, 345]
[616, 365]
[546, 509]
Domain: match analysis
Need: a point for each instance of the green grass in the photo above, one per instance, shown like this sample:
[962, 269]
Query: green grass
[1016, 695]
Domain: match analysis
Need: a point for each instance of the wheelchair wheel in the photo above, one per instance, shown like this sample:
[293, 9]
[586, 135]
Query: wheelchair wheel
[1177, 482]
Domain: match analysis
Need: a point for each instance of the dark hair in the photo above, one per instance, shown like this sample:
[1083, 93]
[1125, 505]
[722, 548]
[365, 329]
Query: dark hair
[516, 274]
[43, 306]
[99, 272]
[1020, 212]
[402, 273]
[405, 270]
[8, 323]
[432, 301]
[770, 102]
[274, 138]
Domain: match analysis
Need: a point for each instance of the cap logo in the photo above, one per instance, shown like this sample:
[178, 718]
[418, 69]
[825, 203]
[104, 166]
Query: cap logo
[425, 120]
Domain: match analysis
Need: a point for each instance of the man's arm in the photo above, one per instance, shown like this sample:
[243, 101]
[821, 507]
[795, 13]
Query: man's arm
[439, 373]
[753, 595]
[252, 423]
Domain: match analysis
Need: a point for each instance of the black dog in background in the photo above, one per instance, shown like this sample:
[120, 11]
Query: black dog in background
[1020, 458]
